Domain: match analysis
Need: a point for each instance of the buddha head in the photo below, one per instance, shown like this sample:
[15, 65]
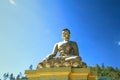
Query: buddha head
[66, 34]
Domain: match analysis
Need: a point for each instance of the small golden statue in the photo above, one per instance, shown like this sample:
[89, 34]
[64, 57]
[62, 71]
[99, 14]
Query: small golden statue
[68, 54]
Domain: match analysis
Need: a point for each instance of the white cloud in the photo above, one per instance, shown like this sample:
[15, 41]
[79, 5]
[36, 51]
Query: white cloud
[12, 2]
[119, 43]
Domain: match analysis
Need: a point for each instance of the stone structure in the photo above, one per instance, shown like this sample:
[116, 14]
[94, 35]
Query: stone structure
[68, 66]
[61, 73]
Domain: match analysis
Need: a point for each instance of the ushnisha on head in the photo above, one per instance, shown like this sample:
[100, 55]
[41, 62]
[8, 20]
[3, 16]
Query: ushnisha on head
[66, 34]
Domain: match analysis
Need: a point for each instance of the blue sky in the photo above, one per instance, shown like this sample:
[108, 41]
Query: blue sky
[29, 30]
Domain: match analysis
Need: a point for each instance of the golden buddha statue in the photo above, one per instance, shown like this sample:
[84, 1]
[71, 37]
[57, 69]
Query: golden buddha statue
[68, 54]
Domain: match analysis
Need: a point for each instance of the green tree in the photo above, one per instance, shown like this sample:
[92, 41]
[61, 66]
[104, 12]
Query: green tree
[109, 68]
[12, 77]
[5, 76]
[103, 67]
[98, 69]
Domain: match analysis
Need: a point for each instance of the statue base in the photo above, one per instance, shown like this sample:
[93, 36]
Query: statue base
[61, 73]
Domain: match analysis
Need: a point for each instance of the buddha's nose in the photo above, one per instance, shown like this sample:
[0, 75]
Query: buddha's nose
[67, 35]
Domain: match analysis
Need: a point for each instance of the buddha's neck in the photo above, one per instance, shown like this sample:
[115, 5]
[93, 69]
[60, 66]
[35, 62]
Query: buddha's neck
[65, 40]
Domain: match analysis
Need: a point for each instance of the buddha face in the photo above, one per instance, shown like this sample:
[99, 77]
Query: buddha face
[65, 35]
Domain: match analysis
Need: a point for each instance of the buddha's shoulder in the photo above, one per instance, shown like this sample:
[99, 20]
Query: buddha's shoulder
[61, 42]
[58, 43]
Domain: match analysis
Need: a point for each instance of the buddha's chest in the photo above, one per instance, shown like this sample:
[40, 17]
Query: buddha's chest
[65, 46]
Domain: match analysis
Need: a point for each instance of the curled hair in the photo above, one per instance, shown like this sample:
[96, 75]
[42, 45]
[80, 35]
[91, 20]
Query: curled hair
[66, 30]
